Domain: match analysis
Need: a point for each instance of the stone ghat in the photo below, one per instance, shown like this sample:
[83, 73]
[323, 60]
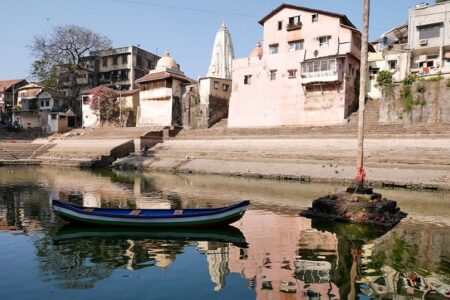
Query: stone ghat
[364, 208]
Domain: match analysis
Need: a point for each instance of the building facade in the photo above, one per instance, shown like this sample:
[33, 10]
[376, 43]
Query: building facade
[116, 68]
[8, 97]
[305, 73]
[160, 94]
[43, 109]
[429, 38]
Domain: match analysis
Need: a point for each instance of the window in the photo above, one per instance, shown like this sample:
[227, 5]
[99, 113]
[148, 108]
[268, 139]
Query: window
[319, 66]
[429, 31]
[225, 87]
[324, 40]
[139, 61]
[392, 64]
[85, 100]
[273, 49]
[315, 18]
[104, 61]
[115, 60]
[292, 73]
[124, 59]
[273, 74]
[42, 102]
[296, 45]
[149, 64]
[47, 103]
[247, 79]
[280, 25]
[294, 22]
[216, 85]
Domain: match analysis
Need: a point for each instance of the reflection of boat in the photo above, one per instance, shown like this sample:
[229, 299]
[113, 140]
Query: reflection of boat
[150, 217]
[228, 234]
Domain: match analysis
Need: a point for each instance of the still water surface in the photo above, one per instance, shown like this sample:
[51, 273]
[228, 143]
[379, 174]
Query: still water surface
[272, 253]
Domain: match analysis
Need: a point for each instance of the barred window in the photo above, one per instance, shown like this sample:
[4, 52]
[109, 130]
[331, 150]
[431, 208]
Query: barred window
[429, 31]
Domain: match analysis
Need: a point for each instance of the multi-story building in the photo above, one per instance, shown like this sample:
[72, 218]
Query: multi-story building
[306, 72]
[116, 68]
[429, 38]
[8, 97]
[390, 54]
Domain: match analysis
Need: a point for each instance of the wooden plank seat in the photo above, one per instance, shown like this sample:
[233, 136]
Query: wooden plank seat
[135, 212]
[89, 209]
[177, 212]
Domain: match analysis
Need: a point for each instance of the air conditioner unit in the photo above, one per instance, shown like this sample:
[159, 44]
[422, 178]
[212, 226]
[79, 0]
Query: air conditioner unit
[423, 42]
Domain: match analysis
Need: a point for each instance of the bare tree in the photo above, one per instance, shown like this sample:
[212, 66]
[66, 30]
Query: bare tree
[64, 52]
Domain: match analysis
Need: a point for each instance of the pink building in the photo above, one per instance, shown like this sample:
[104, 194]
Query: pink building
[306, 73]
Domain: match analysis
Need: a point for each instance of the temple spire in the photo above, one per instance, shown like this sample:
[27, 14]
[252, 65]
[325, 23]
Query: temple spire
[222, 55]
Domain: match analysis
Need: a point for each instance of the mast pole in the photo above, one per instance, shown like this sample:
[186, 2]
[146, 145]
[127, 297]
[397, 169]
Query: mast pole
[362, 93]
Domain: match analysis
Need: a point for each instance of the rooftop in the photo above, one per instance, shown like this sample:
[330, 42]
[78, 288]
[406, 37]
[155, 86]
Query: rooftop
[6, 84]
[343, 18]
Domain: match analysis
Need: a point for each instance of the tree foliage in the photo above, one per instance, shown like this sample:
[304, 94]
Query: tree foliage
[60, 57]
[105, 104]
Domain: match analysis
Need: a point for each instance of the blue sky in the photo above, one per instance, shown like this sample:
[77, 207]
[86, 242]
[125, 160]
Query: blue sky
[186, 28]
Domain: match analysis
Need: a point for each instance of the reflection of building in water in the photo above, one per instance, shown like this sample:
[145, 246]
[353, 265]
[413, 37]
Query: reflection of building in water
[217, 257]
[92, 199]
[413, 259]
[285, 252]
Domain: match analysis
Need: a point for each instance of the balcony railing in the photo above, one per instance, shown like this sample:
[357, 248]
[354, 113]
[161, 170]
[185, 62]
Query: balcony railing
[321, 76]
[294, 26]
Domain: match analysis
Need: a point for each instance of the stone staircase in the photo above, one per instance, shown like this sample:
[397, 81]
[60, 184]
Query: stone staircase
[112, 133]
[18, 151]
[373, 129]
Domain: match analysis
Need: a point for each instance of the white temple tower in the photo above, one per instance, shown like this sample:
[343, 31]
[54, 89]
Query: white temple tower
[222, 55]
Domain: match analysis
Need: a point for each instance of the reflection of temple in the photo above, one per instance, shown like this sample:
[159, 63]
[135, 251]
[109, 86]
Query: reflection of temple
[217, 256]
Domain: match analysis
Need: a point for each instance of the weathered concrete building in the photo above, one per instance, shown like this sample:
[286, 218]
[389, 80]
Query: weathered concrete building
[116, 68]
[160, 94]
[390, 53]
[8, 96]
[46, 110]
[429, 38]
[306, 73]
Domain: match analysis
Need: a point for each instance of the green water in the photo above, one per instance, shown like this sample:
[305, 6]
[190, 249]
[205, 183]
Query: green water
[44, 258]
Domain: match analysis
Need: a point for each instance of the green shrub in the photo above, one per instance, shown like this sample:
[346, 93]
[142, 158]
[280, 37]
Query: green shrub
[384, 79]
[433, 79]
[410, 79]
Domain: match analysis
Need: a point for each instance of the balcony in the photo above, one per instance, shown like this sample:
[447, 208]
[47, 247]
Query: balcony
[294, 26]
[323, 70]
[321, 76]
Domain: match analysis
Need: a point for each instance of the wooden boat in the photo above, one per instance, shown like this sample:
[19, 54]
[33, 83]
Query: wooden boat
[183, 218]
[224, 234]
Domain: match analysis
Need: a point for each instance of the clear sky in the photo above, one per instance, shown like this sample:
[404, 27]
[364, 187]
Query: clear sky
[186, 28]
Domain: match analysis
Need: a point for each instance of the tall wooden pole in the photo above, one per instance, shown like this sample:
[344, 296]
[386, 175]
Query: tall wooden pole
[362, 90]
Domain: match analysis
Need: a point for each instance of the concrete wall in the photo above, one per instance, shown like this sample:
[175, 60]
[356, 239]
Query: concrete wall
[154, 111]
[435, 109]
[90, 119]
